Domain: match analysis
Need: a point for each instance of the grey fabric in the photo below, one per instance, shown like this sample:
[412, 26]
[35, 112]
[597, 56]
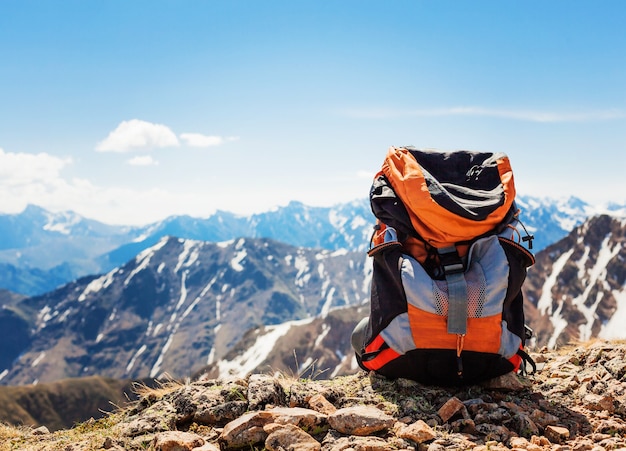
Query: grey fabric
[457, 304]
[487, 276]
[398, 334]
[358, 336]
[509, 342]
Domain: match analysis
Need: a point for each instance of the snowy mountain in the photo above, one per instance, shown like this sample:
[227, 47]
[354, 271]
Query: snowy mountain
[577, 287]
[184, 306]
[176, 307]
[42, 250]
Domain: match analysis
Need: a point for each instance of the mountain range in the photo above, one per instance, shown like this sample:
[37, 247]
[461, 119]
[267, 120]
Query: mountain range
[175, 308]
[185, 306]
[41, 250]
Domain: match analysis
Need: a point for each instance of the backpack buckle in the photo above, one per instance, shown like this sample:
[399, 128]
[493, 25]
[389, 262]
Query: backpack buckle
[450, 260]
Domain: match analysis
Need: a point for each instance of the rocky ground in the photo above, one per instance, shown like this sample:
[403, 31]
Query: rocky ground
[576, 401]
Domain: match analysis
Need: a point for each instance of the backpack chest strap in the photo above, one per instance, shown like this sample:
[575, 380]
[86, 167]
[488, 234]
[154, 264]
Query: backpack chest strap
[453, 268]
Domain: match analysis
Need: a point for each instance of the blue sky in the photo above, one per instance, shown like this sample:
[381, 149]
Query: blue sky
[131, 111]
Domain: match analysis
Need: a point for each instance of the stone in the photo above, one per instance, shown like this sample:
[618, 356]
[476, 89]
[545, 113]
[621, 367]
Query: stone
[506, 382]
[543, 419]
[525, 426]
[599, 402]
[418, 432]
[245, 430]
[290, 438]
[354, 443]
[360, 420]
[465, 426]
[307, 419]
[451, 407]
[176, 441]
[159, 417]
[494, 431]
[539, 440]
[206, 447]
[519, 442]
[41, 430]
[556, 434]
[319, 403]
[264, 390]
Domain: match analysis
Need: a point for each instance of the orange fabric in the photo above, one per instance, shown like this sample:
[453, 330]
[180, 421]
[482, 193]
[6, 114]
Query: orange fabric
[384, 357]
[516, 361]
[375, 344]
[416, 249]
[381, 359]
[407, 180]
[430, 331]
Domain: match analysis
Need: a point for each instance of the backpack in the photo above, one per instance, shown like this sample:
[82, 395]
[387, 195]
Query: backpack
[449, 258]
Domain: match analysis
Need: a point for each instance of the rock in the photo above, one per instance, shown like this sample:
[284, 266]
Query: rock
[599, 402]
[519, 442]
[451, 407]
[506, 382]
[617, 367]
[353, 443]
[465, 426]
[556, 434]
[41, 430]
[290, 438]
[542, 418]
[206, 447]
[418, 432]
[321, 404]
[494, 431]
[539, 441]
[524, 425]
[159, 417]
[264, 390]
[306, 419]
[360, 420]
[245, 430]
[176, 441]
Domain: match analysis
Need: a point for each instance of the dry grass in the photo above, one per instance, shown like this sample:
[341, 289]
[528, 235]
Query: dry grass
[90, 435]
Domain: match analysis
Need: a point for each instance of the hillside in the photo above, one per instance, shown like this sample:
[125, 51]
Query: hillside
[576, 401]
[63, 403]
[175, 308]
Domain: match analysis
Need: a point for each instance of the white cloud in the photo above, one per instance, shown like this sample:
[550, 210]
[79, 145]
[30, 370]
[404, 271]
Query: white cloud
[144, 160]
[199, 140]
[19, 169]
[137, 134]
[522, 115]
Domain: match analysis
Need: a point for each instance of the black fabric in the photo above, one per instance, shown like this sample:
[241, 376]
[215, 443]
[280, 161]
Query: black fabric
[439, 367]
[513, 308]
[387, 299]
[463, 182]
[389, 209]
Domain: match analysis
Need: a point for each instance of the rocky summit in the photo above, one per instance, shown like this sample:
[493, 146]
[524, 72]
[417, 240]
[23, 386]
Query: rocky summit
[576, 400]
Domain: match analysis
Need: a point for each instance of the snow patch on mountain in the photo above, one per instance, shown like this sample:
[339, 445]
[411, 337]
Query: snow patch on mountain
[189, 255]
[614, 328]
[61, 222]
[247, 362]
[545, 301]
[133, 359]
[96, 285]
[239, 257]
[143, 259]
[597, 273]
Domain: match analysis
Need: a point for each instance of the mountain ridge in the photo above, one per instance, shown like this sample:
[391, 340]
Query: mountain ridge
[42, 250]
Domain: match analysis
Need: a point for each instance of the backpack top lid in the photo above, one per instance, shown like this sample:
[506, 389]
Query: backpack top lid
[451, 197]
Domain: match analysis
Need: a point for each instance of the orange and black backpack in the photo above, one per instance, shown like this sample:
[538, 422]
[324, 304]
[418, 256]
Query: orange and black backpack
[449, 259]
